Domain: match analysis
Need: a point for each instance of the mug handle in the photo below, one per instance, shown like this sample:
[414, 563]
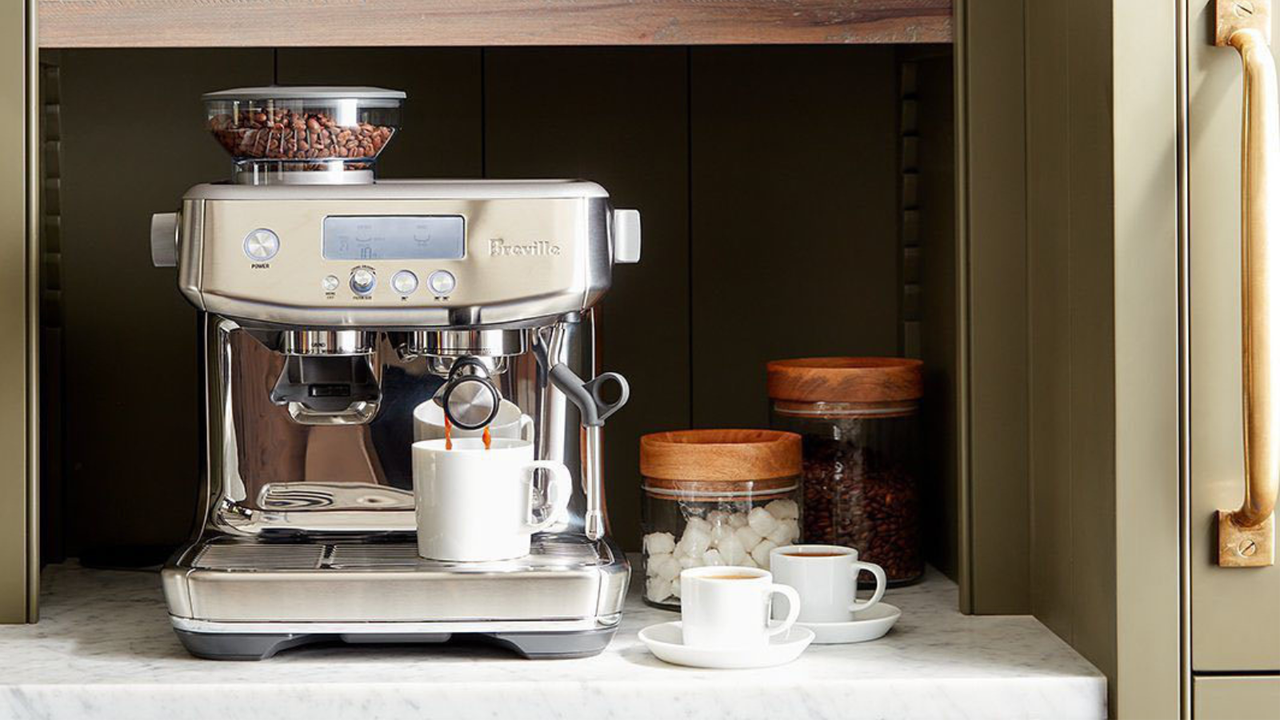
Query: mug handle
[526, 428]
[558, 491]
[793, 608]
[874, 569]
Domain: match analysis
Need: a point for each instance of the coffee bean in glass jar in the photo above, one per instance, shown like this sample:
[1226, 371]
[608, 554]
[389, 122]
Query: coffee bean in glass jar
[859, 420]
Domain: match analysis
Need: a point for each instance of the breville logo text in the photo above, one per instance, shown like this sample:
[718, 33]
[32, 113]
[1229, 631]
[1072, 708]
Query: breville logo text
[499, 247]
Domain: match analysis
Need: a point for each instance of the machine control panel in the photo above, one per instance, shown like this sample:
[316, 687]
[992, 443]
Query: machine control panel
[398, 254]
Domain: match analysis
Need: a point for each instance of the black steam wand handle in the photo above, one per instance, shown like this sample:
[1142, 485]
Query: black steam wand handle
[594, 409]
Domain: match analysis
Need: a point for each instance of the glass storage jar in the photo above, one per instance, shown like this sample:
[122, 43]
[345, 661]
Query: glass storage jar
[715, 497]
[859, 419]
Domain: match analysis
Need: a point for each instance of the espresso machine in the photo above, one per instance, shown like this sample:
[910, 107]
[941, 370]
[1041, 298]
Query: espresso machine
[332, 306]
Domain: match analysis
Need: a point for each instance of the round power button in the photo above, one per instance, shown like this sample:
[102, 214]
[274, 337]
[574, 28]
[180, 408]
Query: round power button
[261, 245]
[363, 279]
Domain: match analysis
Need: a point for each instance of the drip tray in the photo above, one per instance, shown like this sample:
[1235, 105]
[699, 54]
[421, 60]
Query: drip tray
[545, 554]
[338, 580]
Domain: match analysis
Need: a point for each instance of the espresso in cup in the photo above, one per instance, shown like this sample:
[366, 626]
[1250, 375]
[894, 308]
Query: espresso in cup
[826, 578]
[728, 607]
[813, 554]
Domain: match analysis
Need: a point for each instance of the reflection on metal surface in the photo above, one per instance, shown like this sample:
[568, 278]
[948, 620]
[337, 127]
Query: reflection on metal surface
[1246, 537]
[461, 343]
[327, 342]
[259, 444]
[319, 495]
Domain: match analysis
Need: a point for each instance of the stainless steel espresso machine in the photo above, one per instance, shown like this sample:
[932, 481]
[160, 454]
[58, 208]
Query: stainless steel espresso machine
[333, 305]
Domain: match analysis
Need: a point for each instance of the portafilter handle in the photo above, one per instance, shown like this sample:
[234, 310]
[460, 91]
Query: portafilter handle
[469, 397]
[594, 409]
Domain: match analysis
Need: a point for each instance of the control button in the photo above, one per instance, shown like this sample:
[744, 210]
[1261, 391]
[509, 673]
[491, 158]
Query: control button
[362, 280]
[330, 283]
[261, 245]
[405, 282]
[441, 282]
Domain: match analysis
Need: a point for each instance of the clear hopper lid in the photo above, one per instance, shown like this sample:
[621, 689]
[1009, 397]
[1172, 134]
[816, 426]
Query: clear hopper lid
[304, 134]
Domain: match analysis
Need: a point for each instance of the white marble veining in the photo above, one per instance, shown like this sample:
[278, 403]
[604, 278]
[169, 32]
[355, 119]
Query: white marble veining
[104, 649]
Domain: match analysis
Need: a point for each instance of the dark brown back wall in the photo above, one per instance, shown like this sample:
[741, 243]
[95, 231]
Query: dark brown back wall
[767, 179]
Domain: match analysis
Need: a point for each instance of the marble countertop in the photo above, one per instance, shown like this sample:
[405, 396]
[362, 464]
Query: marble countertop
[104, 649]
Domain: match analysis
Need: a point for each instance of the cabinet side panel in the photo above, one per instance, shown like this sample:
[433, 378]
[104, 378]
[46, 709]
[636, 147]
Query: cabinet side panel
[17, 582]
[993, 299]
[1091, 273]
[1147, 457]
[1049, 248]
[1103, 293]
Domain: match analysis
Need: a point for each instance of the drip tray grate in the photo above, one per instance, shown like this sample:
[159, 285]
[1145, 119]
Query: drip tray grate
[260, 556]
[373, 555]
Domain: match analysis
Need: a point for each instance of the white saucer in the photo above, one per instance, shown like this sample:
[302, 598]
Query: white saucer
[870, 624]
[667, 642]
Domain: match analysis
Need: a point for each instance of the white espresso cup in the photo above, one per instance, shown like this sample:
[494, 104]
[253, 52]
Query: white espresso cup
[826, 576]
[475, 504]
[727, 607]
[428, 423]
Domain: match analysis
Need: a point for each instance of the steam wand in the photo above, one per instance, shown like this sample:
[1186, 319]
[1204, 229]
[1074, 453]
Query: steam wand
[594, 410]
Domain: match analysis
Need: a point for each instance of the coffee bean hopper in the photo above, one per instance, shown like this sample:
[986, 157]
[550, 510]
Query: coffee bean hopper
[333, 305]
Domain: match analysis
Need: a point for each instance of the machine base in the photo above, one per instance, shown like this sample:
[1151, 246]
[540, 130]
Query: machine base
[260, 646]
[247, 599]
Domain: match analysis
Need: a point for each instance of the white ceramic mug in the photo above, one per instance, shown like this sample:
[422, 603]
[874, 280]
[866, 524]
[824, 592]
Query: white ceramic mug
[475, 504]
[428, 423]
[826, 576]
[727, 607]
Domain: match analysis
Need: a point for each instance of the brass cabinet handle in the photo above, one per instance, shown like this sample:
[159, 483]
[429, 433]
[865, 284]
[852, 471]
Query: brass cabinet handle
[1246, 537]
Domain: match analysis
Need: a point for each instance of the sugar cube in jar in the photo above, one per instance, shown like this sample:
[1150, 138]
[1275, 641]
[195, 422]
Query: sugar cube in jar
[715, 498]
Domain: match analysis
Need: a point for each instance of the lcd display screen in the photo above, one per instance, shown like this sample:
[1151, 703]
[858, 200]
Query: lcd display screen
[394, 237]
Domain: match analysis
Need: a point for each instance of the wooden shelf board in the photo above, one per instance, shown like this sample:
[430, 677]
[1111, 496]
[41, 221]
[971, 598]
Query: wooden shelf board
[358, 23]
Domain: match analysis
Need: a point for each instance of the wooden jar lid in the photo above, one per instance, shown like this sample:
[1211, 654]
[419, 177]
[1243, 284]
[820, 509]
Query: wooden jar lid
[846, 379]
[724, 456]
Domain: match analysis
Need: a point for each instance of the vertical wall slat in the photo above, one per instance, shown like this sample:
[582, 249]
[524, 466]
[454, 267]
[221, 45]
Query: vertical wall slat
[936, 247]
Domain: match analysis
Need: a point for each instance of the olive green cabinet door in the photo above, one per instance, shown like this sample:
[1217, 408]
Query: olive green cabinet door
[1236, 698]
[1235, 612]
